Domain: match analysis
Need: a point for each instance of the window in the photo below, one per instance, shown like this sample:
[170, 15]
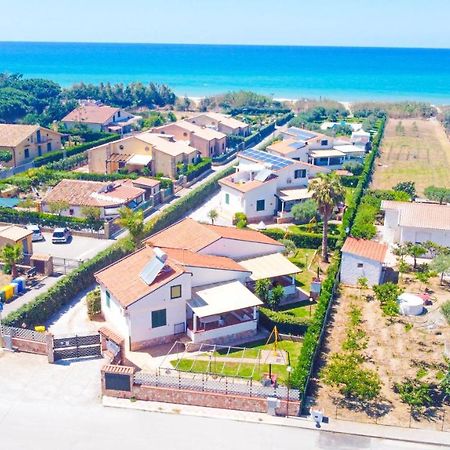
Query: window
[26, 153]
[71, 212]
[360, 265]
[227, 199]
[159, 318]
[324, 142]
[108, 299]
[300, 173]
[260, 205]
[175, 291]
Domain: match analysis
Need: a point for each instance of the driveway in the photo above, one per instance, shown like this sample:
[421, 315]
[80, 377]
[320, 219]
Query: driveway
[80, 248]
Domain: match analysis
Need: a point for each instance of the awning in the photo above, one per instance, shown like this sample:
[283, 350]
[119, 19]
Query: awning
[270, 266]
[140, 160]
[221, 298]
[326, 154]
[287, 195]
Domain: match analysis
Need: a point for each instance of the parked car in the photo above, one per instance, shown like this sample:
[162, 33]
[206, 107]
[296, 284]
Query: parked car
[37, 233]
[61, 236]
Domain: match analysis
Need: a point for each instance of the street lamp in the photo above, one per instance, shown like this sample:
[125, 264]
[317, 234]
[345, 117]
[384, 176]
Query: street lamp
[311, 300]
[289, 370]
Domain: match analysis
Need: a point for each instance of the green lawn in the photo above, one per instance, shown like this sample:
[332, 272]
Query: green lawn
[299, 309]
[304, 258]
[252, 349]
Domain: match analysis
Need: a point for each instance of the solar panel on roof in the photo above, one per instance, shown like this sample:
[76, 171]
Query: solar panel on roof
[302, 134]
[151, 270]
[263, 175]
[276, 162]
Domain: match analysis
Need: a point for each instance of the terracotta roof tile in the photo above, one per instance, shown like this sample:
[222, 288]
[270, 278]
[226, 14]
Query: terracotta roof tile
[12, 135]
[248, 185]
[367, 249]
[123, 279]
[99, 114]
[191, 235]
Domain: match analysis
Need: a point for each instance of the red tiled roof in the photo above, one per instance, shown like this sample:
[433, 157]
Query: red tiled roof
[191, 235]
[367, 249]
[123, 278]
[91, 114]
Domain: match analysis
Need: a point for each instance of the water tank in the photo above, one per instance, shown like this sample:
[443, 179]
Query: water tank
[410, 304]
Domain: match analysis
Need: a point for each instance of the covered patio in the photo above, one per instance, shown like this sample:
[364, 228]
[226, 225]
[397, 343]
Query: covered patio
[276, 268]
[287, 198]
[221, 310]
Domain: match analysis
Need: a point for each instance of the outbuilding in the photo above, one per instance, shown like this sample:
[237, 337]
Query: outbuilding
[362, 259]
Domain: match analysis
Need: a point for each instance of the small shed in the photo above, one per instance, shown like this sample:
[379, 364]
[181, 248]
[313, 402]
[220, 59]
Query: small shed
[362, 259]
[42, 263]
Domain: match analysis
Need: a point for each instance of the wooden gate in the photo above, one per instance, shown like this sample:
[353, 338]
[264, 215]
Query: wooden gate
[76, 346]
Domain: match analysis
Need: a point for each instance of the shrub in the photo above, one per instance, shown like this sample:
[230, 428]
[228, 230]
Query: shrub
[414, 393]
[409, 187]
[445, 308]
[387, 295]
[285, 323]
[275, 297]
[301, 239]
[356, 168]
[305, 211]
[93, 303]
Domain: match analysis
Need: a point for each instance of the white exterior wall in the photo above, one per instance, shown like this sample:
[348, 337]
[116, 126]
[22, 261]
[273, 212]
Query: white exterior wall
[236, 249]
[140, 317]
[202, 276]
[221, 332]
[391, 229]
[236, 200]
[114, 314]
[413, 234]
[350, 272]
[267, 193]
[286, 177]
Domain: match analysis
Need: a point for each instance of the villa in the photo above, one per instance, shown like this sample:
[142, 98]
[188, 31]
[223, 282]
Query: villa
[108, 197]
[98, 117]
[221, 122]
[266, 185]
[193, 280]
[207, 141]
[156, 153]
[416, 222]
[26, 142]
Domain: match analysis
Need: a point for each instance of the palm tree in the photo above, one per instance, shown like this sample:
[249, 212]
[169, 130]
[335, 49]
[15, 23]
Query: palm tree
[133, 221]
[213, 215]
[11, 255]
[328, 192]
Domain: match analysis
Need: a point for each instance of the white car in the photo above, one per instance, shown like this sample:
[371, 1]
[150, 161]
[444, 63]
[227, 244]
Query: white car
[61, 236]
[37, 234]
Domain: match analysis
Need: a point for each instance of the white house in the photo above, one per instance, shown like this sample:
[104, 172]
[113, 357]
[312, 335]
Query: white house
[362, 259]
[188, 280]
[416, 222]
[311, 139]
[266, 185]
[360, 137]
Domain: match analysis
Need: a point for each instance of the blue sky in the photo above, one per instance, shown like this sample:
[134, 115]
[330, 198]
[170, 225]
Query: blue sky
[385, 23]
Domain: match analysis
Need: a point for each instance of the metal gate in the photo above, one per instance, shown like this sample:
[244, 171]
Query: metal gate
[76, 347]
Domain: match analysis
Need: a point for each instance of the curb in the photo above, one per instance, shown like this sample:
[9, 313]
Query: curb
[303, 422]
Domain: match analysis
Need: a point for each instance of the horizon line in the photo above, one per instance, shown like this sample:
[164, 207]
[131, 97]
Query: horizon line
[200, 44]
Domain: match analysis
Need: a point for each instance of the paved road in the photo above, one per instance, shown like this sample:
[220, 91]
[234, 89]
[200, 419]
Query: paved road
[57, 407]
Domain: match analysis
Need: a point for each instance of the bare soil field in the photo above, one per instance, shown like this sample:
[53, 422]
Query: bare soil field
[397, 348]
[413, 150]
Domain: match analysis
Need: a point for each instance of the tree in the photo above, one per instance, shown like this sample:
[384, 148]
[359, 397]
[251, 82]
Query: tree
[11, 255]
[91, 213]
[133, 221]
[415, 251]
[423, 277]
[5, 156]
[437, 194]
[58, 206]
[289, 247]
[213, 215]
[363, 284]
[262, 289]
[328, 192]
[387, 295]
[304, 211]
[275, 296]
[441, 264]
[406, 186]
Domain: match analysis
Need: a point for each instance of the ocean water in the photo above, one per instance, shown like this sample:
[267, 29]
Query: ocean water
[342, 73]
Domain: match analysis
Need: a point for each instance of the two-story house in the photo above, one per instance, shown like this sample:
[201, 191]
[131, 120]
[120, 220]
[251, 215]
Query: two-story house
[26, 142]
[222, 123]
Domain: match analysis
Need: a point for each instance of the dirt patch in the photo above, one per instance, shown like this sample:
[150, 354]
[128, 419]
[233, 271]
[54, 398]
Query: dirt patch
[413, 150]
[397, 348]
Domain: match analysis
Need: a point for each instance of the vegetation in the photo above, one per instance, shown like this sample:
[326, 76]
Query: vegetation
[240, 220]
[305, 211]
[237, 100]
[414, 393]
[5, 156]
[437, 194]
[445, 308]
[11, 255]
[394, 110]
[91, 213]
[93, 303]
[387, 295]
[58, 206]
[290, 248]
[409, 187]
[133, 221]
[327, 193]
[213, 215]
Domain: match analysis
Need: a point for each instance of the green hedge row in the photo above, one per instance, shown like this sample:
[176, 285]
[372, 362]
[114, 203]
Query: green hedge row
[47, 304]
[302, 239]
[11, 215]
[284, 119]
[203, 166]
[284, 322]
[255, 138]
[56, 155]
[311, 342]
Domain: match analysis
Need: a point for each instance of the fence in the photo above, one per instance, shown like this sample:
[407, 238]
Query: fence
[24, 340]
[23, 333]
[204, 382]
[65, 265]
[15, 170]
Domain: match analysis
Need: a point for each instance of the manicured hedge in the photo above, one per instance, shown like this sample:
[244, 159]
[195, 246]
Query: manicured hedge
[285, 323]
[203, 166]
[47, 304]
[302, 239]
[11, 215]
[255, 138]
[284, 119]
[56, 155]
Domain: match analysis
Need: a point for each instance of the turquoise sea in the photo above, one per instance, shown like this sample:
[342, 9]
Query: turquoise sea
[342, 73]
